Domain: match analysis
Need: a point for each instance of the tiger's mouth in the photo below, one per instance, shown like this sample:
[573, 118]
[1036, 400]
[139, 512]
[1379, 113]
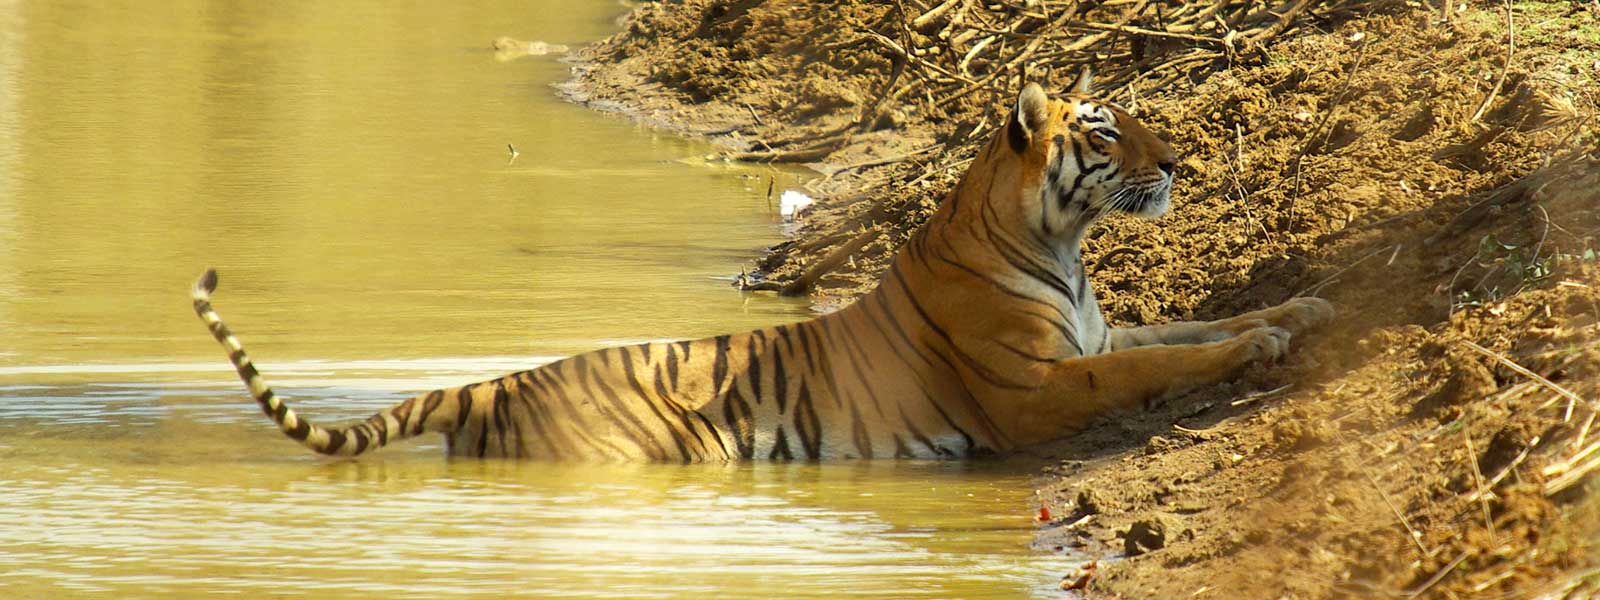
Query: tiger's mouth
[1146, 201]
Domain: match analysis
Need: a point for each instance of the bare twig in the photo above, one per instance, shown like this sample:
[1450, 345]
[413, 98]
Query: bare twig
[932, 16]
[1259, 395]
[1318, 285]
[1140, 31]
[1574, 473]
[1477, 480]
[1488, 488]
[1437, 577]
[1499, 82]
[1564, 392]
[1306, 144]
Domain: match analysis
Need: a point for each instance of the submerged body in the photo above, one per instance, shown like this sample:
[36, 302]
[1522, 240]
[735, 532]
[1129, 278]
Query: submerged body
[983, 336]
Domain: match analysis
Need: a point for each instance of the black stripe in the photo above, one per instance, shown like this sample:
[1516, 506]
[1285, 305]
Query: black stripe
[361, 440]
[920, 438]
[463, 406]
[858, 365]
[971, 402]
[714, 434]
[538, 416]
[780, 380]
[498, 407]
[1078, 154]
[247, 373]
[1059, 325]
[780, 447]
[900, 449]
[736, 412]
[402, 413]
[858, 433]
[719, 365]
[682, 412]
[638, 389]
[1061, 151]
[640, 436]
[810, 354]
[1083, 282]
[806, 425]
[1003, 288]
[278, 413]
[335, 442]
[1024, 354]
[981, 371]
[705, 421]
[1019, 258]
[558, 388]
[752, 371]
[302, 428]
[788, 340]
[429, 404]
[483, 436]
[828, 373]
[672, 366]
[379, 426]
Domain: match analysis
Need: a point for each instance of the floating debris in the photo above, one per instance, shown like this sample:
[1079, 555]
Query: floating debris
[792, 203]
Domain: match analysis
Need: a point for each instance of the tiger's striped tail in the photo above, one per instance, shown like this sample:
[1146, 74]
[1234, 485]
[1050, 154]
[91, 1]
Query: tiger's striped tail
[371, 434]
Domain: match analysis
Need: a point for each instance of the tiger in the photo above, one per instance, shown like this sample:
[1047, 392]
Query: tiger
[983, 336]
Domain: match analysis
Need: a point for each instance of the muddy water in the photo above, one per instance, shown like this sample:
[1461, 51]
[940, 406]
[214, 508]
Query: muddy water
[344, 166]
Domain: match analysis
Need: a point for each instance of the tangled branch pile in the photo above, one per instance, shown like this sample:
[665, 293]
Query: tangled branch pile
[962, 57]
[944, 72]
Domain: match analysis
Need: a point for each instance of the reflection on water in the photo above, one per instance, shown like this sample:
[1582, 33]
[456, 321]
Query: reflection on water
[178, 487]
[344, 165]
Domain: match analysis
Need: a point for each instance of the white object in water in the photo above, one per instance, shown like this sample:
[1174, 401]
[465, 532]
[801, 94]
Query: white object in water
[791, 203]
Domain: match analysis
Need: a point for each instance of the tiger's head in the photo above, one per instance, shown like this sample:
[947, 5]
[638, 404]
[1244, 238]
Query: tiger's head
[1079, 158]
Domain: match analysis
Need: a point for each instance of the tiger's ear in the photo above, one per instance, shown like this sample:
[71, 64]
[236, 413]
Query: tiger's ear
[1033, 108]
[1082, 83]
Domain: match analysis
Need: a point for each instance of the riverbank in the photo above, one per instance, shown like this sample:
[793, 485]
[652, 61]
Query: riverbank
[1432, 172]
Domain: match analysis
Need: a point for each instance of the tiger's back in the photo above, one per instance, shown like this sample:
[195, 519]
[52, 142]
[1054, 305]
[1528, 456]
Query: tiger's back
[777, 393]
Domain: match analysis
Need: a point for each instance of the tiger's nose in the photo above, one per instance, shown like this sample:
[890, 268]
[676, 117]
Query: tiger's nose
[1166, 166]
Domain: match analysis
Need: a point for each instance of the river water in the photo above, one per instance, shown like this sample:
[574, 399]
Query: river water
[344, 166]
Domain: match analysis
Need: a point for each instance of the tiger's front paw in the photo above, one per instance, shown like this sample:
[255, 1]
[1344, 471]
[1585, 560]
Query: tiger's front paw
[1299, 315]
[1235, 327]
[1262, 344]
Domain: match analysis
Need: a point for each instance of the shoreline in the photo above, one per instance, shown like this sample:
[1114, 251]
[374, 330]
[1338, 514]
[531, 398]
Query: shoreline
[1361, 158]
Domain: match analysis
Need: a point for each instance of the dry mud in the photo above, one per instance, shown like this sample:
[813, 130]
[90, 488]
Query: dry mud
[1443, 192]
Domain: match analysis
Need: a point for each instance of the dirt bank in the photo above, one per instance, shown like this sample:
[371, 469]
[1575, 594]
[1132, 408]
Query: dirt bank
[1434, 173]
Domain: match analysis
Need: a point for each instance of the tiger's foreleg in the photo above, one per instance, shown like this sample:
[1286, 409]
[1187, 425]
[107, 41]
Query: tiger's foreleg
[1297, 315]
[1076, 390]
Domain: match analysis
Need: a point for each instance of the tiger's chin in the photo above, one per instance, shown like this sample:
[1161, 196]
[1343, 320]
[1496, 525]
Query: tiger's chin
[1147, 203]
[1152, 207]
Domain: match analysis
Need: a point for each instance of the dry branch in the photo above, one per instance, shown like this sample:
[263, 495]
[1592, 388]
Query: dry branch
[963, 60]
